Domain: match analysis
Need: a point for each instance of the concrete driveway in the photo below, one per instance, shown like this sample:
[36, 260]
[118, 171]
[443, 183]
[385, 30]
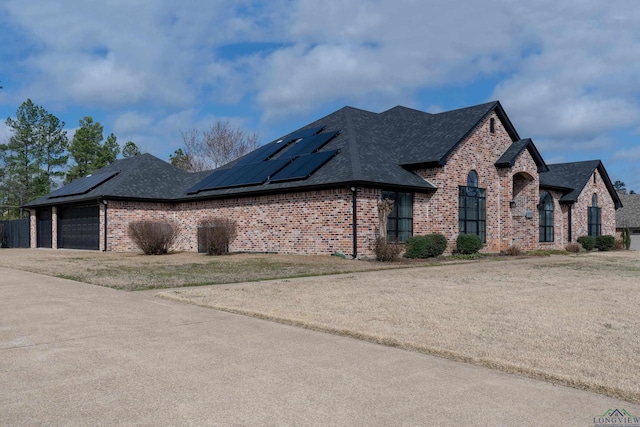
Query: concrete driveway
[77, 354]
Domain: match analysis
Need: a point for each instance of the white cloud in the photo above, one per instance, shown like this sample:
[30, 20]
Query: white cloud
[566, 74]
[628, 155]
[131, 122]
[576, 83]
[382, 50]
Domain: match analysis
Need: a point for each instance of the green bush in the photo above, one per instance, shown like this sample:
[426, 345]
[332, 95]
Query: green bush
[387, 252]
[587, 242]
[431, 245]
[605, 243]
[468, 244]
[153, 237]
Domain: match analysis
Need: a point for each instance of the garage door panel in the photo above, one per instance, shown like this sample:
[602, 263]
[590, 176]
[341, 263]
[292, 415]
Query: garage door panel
[79, 228]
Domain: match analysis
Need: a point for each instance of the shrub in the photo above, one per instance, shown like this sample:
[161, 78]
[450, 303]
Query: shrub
[386, 252]
[573, 247]
[626, 238]
[514, 251]
[468, 244]
[431, 245]
[215, 234]
[153, 237]
[605, 243]
[587, 242]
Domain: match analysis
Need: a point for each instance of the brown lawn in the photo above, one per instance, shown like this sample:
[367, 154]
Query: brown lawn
[573, 320]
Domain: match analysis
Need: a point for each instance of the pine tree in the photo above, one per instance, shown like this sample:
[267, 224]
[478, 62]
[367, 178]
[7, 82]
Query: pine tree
[88, 152]
[34, 155]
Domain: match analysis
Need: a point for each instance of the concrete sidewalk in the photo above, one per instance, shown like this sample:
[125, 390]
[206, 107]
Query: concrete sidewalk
[77, 354]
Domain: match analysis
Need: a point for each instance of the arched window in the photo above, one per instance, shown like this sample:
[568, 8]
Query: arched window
[545, 212]
[594, 217]
[472, 179]
[472, 208]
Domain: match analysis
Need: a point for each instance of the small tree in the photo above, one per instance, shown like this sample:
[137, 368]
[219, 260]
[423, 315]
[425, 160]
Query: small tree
[626, 238]
[153, 237]
[215, 235]
[383, 249]
[385, 207]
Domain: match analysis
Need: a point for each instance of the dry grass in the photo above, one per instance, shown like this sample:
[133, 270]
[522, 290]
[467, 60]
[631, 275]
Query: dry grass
[574, 320]
[137, 271]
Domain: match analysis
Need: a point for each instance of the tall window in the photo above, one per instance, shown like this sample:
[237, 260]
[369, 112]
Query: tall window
[400, 224]
[472, 203]
[594, 217]
[545, 211]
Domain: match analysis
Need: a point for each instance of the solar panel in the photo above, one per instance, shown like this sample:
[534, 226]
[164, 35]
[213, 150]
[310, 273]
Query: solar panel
[210, 181]
[310, 144]
[256, 173]
[304, 166]
[269, 150]
[303, 133]
[241, 175]
[263, 153]
[83, 185]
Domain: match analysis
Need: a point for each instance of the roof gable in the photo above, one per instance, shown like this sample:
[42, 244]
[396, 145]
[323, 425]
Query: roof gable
[571, 178]
[430, 141]
[509, 157]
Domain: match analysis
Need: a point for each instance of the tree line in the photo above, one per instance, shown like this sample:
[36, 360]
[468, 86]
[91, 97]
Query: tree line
[38, 156]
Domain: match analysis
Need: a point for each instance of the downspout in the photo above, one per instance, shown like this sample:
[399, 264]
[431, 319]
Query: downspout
[105, 225]
[354, 198]
[569, 220]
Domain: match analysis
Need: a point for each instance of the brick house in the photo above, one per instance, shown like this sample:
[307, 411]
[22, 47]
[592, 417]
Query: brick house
[315, 191]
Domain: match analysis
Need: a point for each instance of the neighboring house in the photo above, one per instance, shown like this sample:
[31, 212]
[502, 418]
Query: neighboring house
[629, 216]
[315, 191]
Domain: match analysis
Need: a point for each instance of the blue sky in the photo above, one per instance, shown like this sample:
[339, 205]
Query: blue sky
[567, 76]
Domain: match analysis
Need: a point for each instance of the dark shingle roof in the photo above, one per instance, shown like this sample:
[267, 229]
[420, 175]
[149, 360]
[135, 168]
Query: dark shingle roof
[375, 149]
[570, 178]
[509, 157]
[429, 139]
[629, 214]
[141, 177]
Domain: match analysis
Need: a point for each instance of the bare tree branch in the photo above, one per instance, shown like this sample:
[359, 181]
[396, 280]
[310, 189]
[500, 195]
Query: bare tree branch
[216, 146]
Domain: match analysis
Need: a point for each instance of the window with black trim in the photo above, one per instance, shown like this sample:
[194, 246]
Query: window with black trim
[400, 223]
[492, 125]
[595, 217]
[545, 211]
[472, 206]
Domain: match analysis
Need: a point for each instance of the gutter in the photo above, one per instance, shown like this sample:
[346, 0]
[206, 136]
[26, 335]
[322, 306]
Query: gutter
[569, 220]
